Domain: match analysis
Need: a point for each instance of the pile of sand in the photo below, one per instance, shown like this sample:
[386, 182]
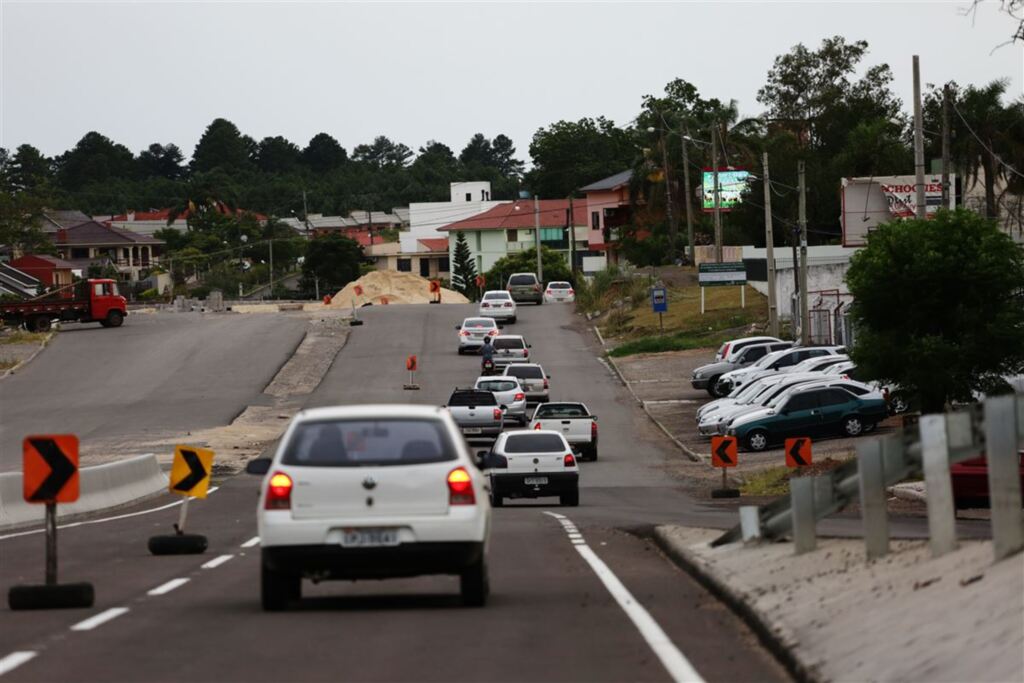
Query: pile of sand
[397, 288]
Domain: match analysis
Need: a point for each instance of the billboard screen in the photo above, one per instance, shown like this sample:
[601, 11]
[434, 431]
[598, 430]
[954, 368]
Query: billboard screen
[870, 201]
[732, 183]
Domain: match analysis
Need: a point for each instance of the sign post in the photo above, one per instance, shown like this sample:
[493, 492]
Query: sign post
[50, 476]
[724, 454]
[411, 364]
[659, 304]
[190, 477]
[729, 274]
[435, 291]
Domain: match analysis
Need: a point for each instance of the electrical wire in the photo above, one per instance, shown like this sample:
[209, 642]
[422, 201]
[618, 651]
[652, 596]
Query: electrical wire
[982, 142]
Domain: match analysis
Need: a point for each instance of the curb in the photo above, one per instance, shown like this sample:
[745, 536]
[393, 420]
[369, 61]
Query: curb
[105, 486]
[769, 637]
[46, 341]
[687, 451]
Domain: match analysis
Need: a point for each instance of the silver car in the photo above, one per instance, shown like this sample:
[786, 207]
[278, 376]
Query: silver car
[477, 413]
[509, 393]
[510, 348]
[473, 331]
[532, 378]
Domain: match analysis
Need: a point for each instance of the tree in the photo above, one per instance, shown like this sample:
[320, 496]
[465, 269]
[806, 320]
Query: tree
[277, 155]
[556, 267]
[95, 159]
[504, 157]
[324, 154]
[570, 154]
[478, 151]
[28, 170]
[463, 268]
[383, 153]
[222, 145]
[20, 219]
[160, 161]
[433, 171]
[938, 336]
[334, 260]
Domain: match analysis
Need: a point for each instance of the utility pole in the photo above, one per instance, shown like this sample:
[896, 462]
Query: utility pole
[571, 230]
[718, 210]
[536, 237]
[686, 195]
[673, 226]
[369, 215]
[947, 191]
[769, 241]
[305, 214]
[271, 261]
[918, 142]
[805, 323]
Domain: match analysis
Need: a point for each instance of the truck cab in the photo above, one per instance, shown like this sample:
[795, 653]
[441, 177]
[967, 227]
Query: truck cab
[106, 305]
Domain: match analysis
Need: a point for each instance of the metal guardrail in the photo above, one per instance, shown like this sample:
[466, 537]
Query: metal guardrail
[994, 429]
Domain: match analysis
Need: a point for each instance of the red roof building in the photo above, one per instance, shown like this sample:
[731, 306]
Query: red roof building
[50, 270]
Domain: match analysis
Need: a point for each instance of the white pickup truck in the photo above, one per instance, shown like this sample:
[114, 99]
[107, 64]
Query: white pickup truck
[571, 420]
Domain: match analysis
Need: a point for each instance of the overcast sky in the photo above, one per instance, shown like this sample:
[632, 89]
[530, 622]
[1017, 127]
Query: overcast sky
[160, 72]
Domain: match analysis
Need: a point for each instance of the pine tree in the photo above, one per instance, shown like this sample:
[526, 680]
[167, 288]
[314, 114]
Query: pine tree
[463, 268]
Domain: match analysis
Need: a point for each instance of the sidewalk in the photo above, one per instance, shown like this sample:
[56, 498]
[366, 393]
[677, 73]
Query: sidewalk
[837, 617]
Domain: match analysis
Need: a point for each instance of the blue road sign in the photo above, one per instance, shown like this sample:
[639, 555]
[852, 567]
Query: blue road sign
[659, 300]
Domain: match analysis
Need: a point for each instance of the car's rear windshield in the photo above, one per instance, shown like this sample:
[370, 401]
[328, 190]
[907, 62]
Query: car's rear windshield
[525, 372]
[559, 285]
[480, 322]
[361, 443]
[522, 280]
[497, 295]
[561, 410]
[472, 398]
[509, 343]
[534, 443]
[497, 385]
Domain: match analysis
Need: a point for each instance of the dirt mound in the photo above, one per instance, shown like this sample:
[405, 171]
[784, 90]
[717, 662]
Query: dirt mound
[395, 287]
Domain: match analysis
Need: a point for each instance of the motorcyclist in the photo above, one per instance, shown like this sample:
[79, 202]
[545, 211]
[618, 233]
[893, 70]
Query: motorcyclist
[487, 352]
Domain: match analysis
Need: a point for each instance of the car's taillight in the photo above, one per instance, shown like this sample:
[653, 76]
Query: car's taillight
[519, 397]
[279, 492]
[536, 288]
[572, 291]
[460, 487]
[546, 385]
[526, 353]
[547, 291]
[569, 460]
[538, 426]
[464, 333]
[485, 305]
[497, 413]
[508, 305]
[492, 333]
[593, 430]
[725, 350]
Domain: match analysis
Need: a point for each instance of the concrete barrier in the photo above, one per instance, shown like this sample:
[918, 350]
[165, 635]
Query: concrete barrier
[101, 487]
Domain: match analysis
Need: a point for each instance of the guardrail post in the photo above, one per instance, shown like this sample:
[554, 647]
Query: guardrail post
[873, 508]
[1001, 430]
[801, 491]
[938, 486]
[750, 522]
[823, 495]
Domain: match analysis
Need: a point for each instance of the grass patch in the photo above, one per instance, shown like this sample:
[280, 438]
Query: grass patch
[773, 481]
[7, 364]
[22, 337]
[681, 341]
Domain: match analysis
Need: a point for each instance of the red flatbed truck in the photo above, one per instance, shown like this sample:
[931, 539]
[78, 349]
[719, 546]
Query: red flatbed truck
[85, 301]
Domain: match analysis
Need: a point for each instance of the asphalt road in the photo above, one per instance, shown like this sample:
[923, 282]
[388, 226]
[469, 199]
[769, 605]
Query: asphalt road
[159, 374]
[551, 617]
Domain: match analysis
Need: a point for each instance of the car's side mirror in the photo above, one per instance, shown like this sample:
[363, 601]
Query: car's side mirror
[548, 376]
[594, 418]
[481, 459]
[504, 409]
[529, 346]
[458, 327]
[258, 466]
[501, 327]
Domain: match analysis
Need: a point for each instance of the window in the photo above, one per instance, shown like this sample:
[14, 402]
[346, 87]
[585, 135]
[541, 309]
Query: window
[595, 220]
[356, 443]
[551, 234]
[805, 401]
[511, 235]
[97, 289]
[856, 390]
[517, 280]
[753, 353]
[424, 267]
[482, 323]
[535, 443]
[788, 359]
[500, 296]
[444, 265]
[469, 196]
[405, 265]
[498, 385]
[525, 371]
[833, 397]
[556, 410]
[509, 343]
[79, 252]
[472, 398]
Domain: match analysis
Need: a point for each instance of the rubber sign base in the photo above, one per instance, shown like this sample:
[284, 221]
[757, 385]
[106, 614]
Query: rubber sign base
[51, 595]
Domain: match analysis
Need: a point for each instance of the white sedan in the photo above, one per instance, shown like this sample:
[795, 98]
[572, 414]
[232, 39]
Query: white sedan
[371, 492]
[498, 304]
[473, 331]
[559, 292]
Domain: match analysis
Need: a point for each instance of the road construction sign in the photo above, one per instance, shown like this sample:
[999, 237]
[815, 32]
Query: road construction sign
[191, 470]
[50, 468]
[798, 452]
[724, 451]
[410, 363]
[480, 280]
[435, 286]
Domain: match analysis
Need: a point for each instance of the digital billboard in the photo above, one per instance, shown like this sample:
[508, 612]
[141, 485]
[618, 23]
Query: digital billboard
[732, 183]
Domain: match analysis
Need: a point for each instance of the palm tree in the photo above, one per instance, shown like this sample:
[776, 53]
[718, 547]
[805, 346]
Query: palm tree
[984, 130]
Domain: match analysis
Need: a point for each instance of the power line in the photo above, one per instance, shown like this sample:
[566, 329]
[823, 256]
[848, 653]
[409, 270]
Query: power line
[982, 142]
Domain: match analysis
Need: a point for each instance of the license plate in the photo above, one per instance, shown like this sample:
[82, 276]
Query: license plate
[535, 481]
[471, 430]
[369, 538]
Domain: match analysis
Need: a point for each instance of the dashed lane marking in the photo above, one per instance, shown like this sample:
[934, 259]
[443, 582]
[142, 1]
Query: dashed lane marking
[251, 542]
[168, 587]
[678, 667]
[14, 660]
[99, 619]
[217, 561]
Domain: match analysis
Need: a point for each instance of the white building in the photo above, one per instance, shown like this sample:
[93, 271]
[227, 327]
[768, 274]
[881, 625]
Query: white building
[427, 218]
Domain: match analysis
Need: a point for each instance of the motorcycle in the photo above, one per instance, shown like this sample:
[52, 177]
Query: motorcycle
[488, 368]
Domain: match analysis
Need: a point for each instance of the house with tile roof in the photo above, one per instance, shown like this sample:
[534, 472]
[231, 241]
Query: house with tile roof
[608, 209]
[95, 243]
[51, 271]
[510, 227]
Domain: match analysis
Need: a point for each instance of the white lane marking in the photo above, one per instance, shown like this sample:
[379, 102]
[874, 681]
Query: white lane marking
[168, 587]
[99, 619]
[105, 519]
[14, 660]
[251, 542]
[217, 561]
[678, 667]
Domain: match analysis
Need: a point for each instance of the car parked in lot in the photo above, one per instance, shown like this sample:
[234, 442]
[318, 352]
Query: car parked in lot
[532, 464]
[499, 305]
[525, 287]
[713, 417]
[735, 345]
[970, 482]
[809, 411]
[575, 423]
[773, 362]
[476, 412]
[473, 331]
[819, 364]
[510, 348]
[371, 492]
[509, 393]
[706, 376]
[533, 378]
[559, 291]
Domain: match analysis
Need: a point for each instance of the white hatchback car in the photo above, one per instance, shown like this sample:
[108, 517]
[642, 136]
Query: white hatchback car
[498, 304]
[371, 492]
[560, 292]
[532, 463]
[509, 394]
[473, 331]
